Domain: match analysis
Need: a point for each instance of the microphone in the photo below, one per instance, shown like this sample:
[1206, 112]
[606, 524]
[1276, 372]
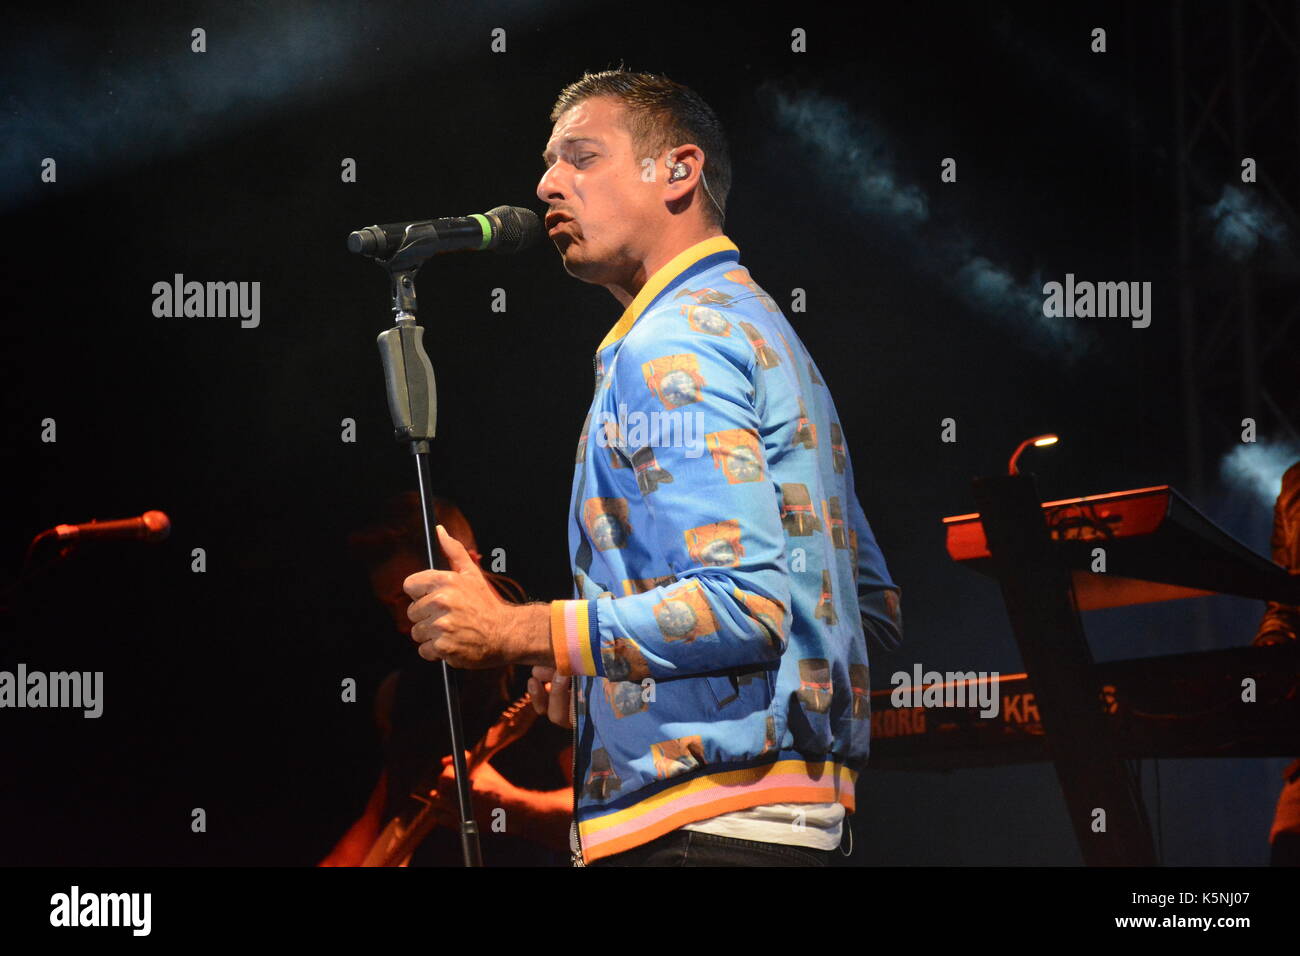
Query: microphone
[151, 526]
[503, 229]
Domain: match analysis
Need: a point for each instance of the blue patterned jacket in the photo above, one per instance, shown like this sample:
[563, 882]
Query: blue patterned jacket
[725, 574]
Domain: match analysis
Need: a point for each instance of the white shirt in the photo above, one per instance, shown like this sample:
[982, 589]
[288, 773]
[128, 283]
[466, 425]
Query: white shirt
[816, 825]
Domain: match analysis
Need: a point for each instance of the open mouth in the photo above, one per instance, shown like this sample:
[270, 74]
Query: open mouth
[554, 221]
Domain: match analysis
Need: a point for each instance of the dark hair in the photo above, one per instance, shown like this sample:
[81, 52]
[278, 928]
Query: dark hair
[660, 114]
[402, 531]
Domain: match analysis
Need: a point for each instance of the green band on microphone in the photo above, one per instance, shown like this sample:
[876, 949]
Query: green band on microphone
[486, 227]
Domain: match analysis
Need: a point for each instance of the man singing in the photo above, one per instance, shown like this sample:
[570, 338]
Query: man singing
[713, 660]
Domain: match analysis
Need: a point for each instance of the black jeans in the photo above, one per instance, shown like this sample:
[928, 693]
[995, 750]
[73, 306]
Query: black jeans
[692, 848]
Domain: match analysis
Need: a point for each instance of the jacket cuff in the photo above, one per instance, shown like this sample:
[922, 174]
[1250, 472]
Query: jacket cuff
[574, 637]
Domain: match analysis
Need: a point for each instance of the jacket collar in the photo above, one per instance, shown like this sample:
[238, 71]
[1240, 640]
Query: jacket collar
[680, 267]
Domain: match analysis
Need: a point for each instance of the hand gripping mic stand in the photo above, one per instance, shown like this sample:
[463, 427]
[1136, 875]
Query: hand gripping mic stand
[413, 403]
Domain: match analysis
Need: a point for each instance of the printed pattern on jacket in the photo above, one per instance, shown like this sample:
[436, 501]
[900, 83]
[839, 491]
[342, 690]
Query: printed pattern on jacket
[725, 574]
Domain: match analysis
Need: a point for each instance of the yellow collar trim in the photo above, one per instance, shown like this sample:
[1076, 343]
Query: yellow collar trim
[665, 274]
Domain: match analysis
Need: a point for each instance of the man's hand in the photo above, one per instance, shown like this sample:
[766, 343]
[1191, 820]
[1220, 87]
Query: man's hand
[551, 694]
[460, 618]
[1272, 637]
[490, 791]
[541, 815]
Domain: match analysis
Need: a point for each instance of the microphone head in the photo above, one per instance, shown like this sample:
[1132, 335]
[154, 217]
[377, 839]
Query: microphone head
[519, 228]
[366, 242]
[158, 525]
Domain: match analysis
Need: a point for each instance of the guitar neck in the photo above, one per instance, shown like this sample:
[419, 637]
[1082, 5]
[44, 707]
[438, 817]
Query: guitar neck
[509, 727]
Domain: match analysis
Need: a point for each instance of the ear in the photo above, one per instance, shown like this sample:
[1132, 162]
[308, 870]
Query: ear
[690, 156]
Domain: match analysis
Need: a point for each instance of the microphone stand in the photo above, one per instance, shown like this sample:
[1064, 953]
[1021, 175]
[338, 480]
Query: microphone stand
[30, 572]
[413, 404]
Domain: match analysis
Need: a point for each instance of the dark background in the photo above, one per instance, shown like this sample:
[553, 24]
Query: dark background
[222, 689]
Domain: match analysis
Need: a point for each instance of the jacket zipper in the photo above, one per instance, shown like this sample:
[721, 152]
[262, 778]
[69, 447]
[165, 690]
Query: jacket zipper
[575, 840]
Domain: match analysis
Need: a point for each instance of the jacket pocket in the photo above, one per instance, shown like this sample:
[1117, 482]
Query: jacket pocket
[756, 688]
[725, 689]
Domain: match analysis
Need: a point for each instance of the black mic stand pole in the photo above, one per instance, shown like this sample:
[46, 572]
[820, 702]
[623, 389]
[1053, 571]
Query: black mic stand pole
[413, 403]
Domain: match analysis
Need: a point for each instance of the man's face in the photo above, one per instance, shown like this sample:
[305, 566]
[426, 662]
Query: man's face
[593, 179]
[386, 582]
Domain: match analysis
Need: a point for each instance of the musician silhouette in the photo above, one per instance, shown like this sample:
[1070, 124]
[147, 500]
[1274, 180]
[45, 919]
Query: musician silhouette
[1281, 623]
[523, 796]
